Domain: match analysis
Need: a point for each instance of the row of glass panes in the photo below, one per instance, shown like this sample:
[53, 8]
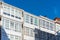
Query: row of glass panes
[12, 25]
[57, 27]
[47, 25]
[28, 31]
[14, 37]
[11, 15]
[13, 11]
[31, 19]
[46, 36]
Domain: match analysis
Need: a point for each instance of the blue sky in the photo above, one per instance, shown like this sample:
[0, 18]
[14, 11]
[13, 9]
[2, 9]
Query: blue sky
[49, 8]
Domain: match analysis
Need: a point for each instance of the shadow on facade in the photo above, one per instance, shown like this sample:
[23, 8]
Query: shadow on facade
[3, 34]
[41, 35]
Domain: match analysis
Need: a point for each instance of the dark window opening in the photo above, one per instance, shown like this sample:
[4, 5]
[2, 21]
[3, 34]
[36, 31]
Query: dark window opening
[18, 17]
[6, 14]
[12, 15]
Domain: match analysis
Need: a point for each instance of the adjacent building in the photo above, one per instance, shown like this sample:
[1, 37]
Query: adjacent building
[17, 24]
[48, 29]
[29, 24]
[11, 22]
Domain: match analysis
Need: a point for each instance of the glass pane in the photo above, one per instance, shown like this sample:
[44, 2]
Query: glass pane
[16, 26]
[6, 23]
[11, 24]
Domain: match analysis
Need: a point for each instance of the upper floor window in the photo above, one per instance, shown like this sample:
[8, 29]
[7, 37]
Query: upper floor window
[12, 15]
[36, 22]
[29, 31]
[40, 21]
[6, 8]
[17, 13]
[31, 20]
[12, 11]
[6, 13]
[54, 27]
[51, 26]
[17, 17]
[27, 18]
[43, 23]
[47, 25]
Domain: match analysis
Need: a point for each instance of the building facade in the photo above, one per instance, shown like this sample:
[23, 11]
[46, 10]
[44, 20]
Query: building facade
[11, 22]
[17, 24]
[48, 29]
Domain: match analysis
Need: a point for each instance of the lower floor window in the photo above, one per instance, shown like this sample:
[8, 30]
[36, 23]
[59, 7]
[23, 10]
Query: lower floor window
[11, 24]
[29, 31]
[14, 37]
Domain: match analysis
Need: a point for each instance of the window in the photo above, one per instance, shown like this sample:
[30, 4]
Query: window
[4, 7]
[36, 22]
[12, 11]
[43, 23]
[3, 22]
[31, 20]
[31, 32]
[27, 18]
[17, 13]
[7, 23]
[16, 38]
[27, 31]
[12, 15]
[54, 27]
[11, 37]
[6, 13]
[47, 25]
[17, 17]
[51, 26]
[40, 22]
[12, 25]
[58, 27]
[18, 27]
